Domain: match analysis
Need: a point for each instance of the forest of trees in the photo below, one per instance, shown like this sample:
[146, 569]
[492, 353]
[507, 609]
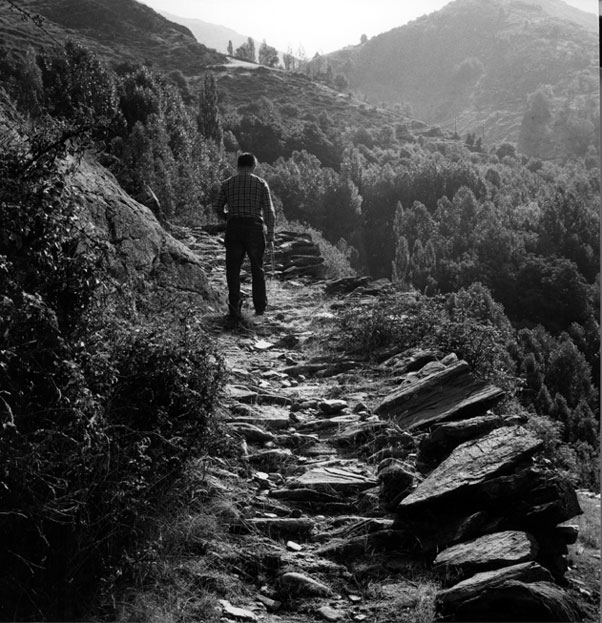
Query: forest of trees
[435, 214]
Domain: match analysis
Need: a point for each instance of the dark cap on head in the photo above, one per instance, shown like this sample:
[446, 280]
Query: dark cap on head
[247, 160]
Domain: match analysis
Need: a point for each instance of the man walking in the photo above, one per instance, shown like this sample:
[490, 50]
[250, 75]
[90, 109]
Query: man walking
[249, 208]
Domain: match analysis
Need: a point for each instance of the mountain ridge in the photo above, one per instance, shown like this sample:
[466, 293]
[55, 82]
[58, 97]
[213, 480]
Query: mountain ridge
[212, 35]
[482, 61]
[117, 31]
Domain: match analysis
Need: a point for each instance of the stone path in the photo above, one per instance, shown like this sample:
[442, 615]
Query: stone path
[338, 514]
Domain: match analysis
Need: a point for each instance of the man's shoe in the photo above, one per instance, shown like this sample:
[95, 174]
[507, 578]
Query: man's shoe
[259, 312]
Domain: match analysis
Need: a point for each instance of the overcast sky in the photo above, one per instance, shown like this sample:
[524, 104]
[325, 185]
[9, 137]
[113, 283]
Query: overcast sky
[317, 25]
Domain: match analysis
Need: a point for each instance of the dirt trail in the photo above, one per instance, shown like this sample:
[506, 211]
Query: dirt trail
[306, 493]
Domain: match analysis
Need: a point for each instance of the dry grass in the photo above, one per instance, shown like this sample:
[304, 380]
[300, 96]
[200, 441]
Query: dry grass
[185, 570]
[589, 522]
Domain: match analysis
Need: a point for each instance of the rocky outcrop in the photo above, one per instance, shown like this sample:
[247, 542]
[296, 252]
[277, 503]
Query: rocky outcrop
[135, 245]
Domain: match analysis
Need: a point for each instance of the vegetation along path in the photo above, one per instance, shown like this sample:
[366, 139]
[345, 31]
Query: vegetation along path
[372, 489]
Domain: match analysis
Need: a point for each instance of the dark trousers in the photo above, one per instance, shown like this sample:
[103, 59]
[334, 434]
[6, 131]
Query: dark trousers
[245, 236]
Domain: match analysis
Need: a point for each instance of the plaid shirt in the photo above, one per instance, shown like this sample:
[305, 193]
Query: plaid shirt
[247, 195]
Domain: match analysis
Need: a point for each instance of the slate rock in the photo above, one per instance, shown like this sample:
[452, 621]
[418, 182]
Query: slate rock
[242, 394]
[537, 499]
[450, 394]
[529, 499]
[567, 534]
[282, 526]
[449, 599]
[302, 585]
[359, 433]
[240, 614]
[515, 601]
[252, 433]
[471, 464]
[396, 481]
[443, 438]
[332, 407]
[492, 551]
[334, 479]
[331, 614]
[411, 360]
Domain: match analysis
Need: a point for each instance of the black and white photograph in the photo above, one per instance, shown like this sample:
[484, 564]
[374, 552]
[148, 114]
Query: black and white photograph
[300, 311]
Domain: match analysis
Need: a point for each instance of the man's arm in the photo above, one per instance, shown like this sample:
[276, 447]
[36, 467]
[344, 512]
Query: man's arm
[269, 214]
[220, 203]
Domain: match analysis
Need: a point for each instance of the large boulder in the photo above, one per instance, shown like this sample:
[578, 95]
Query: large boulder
[136, 246]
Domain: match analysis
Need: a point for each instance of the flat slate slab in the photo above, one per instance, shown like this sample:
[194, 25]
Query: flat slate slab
[473, 463]
[271, 421]
[451, 393]
[334, 479]
[450, 598]
[282, 526]
[242, 394]
[443, 438]
[492, 551]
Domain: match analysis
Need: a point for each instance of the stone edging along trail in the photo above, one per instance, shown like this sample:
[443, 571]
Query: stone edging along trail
[382, 491]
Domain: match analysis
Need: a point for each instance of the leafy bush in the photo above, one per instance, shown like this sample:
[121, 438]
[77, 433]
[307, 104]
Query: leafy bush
[468, 323]
[98, 418]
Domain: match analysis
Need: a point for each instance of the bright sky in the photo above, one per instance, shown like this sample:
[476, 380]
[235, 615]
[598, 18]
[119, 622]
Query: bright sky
[316, 25]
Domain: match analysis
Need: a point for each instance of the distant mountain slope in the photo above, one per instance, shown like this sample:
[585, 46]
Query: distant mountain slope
[125, 30]
[473, 64]
[118, 30]
[211, 35]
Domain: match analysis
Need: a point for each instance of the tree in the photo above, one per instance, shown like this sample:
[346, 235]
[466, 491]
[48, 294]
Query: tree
[535, 134]
[27, 86]
[268, 55]
[363, 39]
[343, 206]
[208, 118]
[340, 82]
[568, 373]
[400, 264]
[78, 85]
[288, 59]
[247, 51]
